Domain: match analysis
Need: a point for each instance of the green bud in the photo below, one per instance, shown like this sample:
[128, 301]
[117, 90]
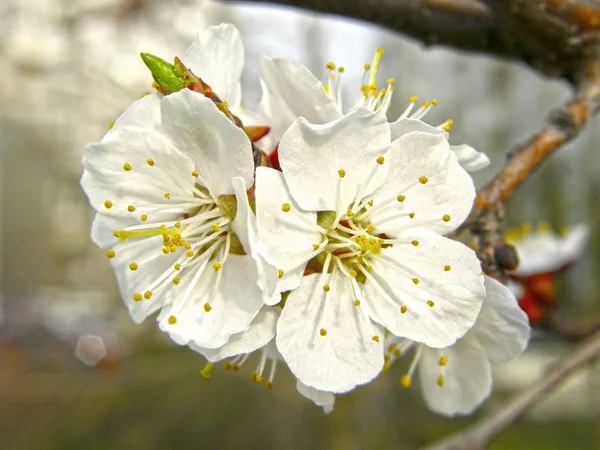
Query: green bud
[164, 73]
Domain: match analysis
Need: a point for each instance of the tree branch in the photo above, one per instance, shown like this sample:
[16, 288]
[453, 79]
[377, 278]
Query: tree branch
[555, 37]
[478, 435]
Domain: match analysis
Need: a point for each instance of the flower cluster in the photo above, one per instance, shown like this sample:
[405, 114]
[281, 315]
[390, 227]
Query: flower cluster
[332, 262]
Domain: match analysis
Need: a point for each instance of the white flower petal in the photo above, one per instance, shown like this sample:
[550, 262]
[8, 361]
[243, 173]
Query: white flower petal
[574, 243]
[233, 306]
[199, 130]
[311, 156]
[440, 203]
[406, 125]
[151, 265]
[319, 398]
[502, 328]
[261, 331]
[144, 113]
[105, 178]
[439, 269]
[346, 356]
[467, 379]
[470, 159]
[291, 91]
[217, 57]
[285, 240]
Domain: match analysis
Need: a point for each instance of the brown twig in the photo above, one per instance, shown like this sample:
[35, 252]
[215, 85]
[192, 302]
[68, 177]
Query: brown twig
[478, 435]
[555, 37]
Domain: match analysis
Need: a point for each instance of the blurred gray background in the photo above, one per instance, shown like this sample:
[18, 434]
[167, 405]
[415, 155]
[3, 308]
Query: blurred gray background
[70, 67]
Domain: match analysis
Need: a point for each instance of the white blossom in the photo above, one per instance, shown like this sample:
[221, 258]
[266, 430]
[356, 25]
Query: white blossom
[455, 380]
[365, 217]
[291, 91]
[544, 251]
[162, 183]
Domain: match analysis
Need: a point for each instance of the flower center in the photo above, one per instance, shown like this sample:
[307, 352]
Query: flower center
[197, 236]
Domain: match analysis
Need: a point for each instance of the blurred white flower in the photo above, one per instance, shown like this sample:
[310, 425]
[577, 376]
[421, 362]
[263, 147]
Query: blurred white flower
[542, 254]
[365, 219]
[162, 183]
[544, 251]
[456, 380]
[291, 91]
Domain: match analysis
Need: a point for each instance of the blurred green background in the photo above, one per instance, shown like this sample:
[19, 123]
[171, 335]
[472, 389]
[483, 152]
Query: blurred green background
[68, 68]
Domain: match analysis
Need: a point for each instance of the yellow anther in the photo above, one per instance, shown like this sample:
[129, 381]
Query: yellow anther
[430, 303]
[440, 380]
[177, 224]
[375, 338]
[406, 381]
[398, 353]
[356, 302]
[370, 203]
[227, 365]
[236, 367]
[189, 253]
[117, 233]
[415, 243]
[110, 253]
[177, 266]
[368, 244]
[349, 213]
[391, 81]
[172, 320]
[326, 288]
[131, 208]
[371, 228]
[111, 125]
[414, 99]
[403, 309]
[443, 361]
[133, 266]
[326, 88]
[137, 297]
[446, 218]
[434, 102]
[401, 198]
[285, 207]
[217, 266]
[367, 66]
[166, 251]
[391, 348]
[216, 228]
[342, 173]
[448, 125]
[257, 378]
[323, 332]
[353, 273]
[416, 280]
[148, 295]
[207, 371]
[143, 217]
[423, 179]
[280, 273]
[268, 385]
[330, 65]
[127, 167]
[176, 280]
[380, 160]
[447, 268]
[108, 204]
[194, 173]
[150, 162]
[207, 307]
[425, 104]
[411, 215]
[315, 247]
[369, 268]
[167, 195]
[341, 69]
